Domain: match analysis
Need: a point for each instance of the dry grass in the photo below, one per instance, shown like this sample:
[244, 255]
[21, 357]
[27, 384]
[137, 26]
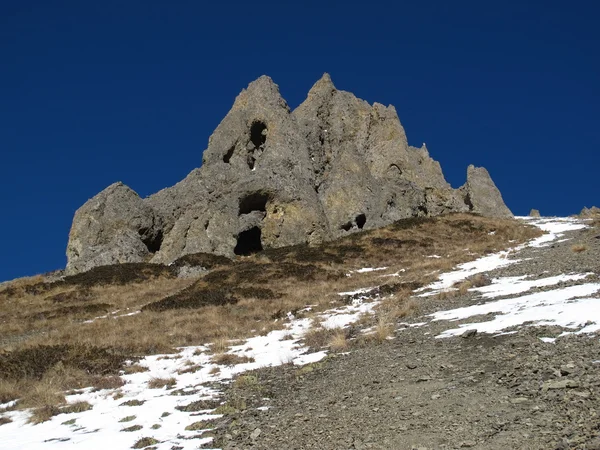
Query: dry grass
[384, 328]
[77, 407]
[145, 442]
[9, 390]
[234, 300]
[247, 381]
[579, 248]
[259, 289]
[339, 341]
[159, 383]
[197, 426]
[134, 368]
[318, 337]
[228, 359]
[5, 420]
[220, 345]
[127, 419]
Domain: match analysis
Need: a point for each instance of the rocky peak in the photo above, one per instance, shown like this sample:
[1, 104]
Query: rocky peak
[271, 177]
[481, 194]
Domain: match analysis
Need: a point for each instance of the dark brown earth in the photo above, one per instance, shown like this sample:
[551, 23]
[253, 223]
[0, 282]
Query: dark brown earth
[418, 392]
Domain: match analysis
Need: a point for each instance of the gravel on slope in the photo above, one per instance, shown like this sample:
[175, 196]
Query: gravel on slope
[417, 392]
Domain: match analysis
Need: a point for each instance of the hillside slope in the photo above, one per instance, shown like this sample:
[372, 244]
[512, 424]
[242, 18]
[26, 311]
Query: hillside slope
[353, 344]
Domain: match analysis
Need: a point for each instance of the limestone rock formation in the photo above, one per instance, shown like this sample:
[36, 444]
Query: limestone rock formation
[534, 213]
[272, 177]
[115, 226]
[589, 213]
[482, 195]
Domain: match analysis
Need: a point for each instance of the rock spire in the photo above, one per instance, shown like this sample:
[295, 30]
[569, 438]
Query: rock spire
[272, 177]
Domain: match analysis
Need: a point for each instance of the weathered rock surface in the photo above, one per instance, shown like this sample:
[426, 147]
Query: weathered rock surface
[592, 212]
[115, 226]
[482, 195]
[271, 177]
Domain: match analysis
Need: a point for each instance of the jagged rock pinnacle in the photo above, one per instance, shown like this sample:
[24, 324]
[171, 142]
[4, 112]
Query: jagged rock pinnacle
[271, 177]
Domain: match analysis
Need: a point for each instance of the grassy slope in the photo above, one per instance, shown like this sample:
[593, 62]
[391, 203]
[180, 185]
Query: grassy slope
[49, 343]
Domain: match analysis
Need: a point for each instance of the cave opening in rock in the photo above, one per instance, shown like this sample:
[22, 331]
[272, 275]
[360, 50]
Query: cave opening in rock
[228, 155]
[257, 201]
[346, 226]
[153, 242]
[248, 242]
[360, 220]
[258, 135]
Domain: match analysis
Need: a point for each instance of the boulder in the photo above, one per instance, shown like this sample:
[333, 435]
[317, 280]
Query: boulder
[482, 196]
[115, 226]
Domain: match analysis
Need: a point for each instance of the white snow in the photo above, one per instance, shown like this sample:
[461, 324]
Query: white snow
[554, 229]
[575, 307]
[365, 270]
[370, 269]
[358, 291]
[101, 426]
[562, 307]
[467, 270]
[516, 285]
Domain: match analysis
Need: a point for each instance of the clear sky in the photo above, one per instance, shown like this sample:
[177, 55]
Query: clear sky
[97, 92]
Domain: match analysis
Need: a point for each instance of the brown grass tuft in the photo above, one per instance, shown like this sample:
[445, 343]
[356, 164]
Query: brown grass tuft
[228, 359]
[318, 337]
[76, 408]
[579, 248]
[5, 420]
[384, 328]
[145, 442]
[339, 341]
[134, 368]
[9, 390]
[159, 383]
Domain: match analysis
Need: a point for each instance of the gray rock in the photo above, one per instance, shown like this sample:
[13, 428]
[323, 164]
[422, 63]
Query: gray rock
[271, 177]
[559, 384]
[255, 188]
[534, 213]
[255, 434]
[113, 227]
[594, 211]
[469, 333]
[482, 195]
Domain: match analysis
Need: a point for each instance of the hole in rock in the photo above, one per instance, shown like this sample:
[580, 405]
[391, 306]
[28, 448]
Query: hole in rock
[361, 219]
[258, 134]
[152, 243]
[468, 202]
[248, 242]
[346, 226]
[251, 160]
[256, 201]
[229, 154]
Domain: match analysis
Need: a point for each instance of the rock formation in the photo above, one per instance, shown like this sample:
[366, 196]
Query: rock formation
[115, 226]
[272, 177]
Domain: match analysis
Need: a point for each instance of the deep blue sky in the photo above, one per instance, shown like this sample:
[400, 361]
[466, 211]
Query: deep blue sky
[96, 92]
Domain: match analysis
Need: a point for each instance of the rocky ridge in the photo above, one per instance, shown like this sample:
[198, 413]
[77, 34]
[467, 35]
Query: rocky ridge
[272, 177]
